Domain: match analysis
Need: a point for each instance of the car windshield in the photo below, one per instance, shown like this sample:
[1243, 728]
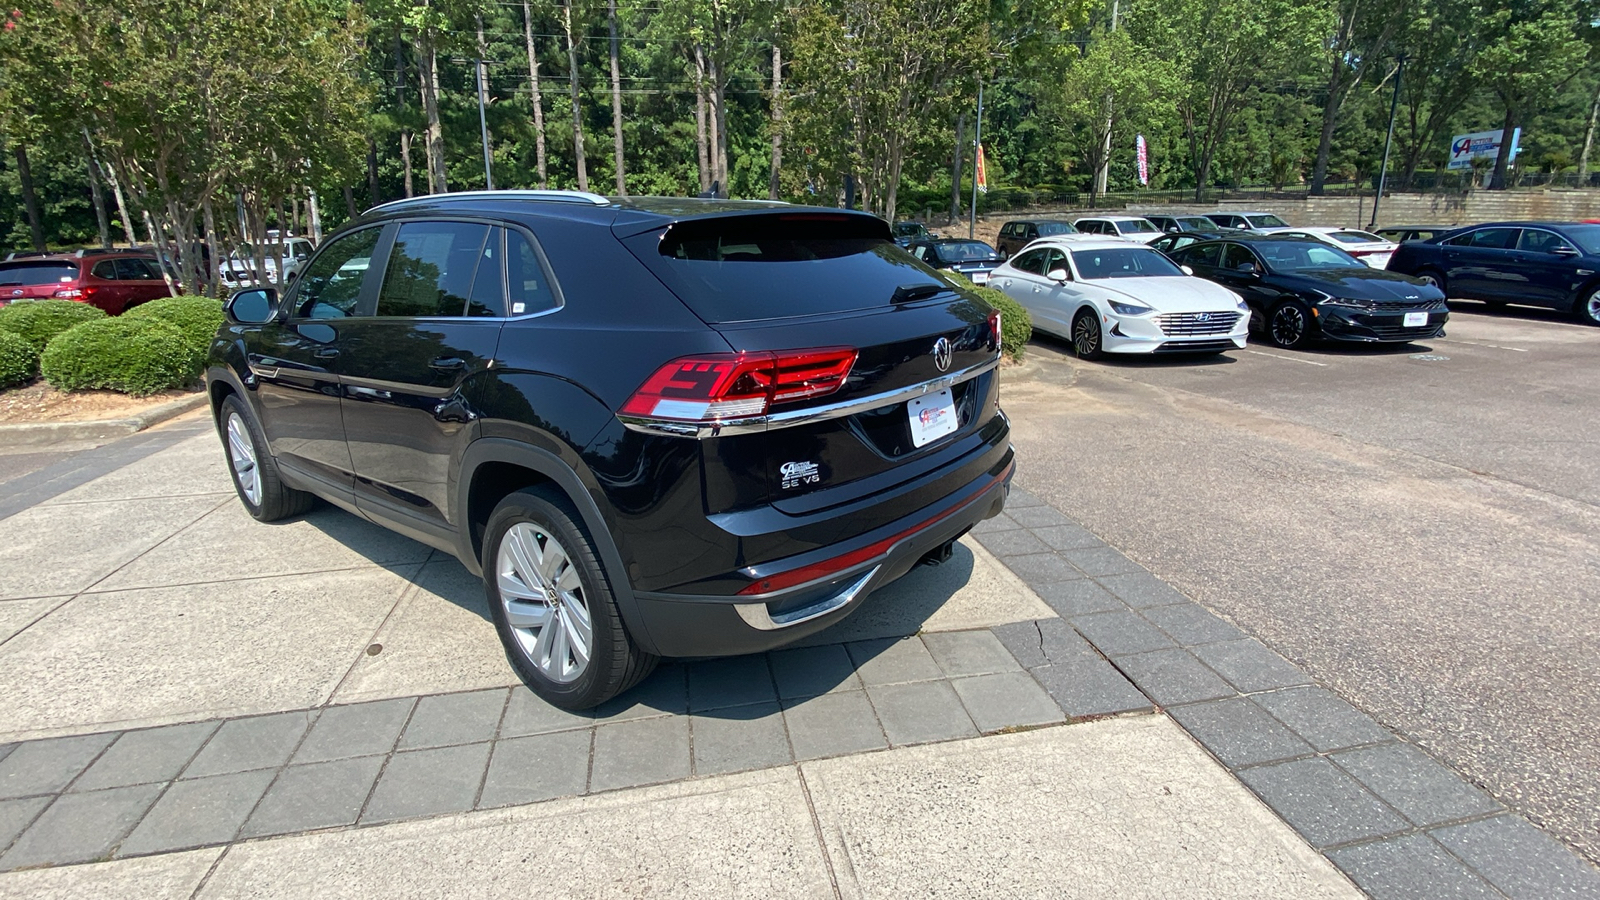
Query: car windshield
[1586, 236]
[1302, 256]
[37, 273]
[1123, 262]
[1266, 220]
[1200, 223]
[1355, 237]
[1048, 228]
[965, 251]
[1136, 226]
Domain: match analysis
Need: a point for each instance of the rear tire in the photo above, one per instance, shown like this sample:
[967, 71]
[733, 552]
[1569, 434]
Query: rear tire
[1086, 340]
[552, 603]
[1587, 309]
[1289, 325]
[255, 473]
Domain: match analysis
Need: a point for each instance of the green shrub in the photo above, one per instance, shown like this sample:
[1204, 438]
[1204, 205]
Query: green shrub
[19, 362]
[197, 317]
[1016, 326]
[37, 321]
[137, 356]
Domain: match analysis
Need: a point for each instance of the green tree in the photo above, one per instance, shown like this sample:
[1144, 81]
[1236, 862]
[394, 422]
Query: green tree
[1537, 46]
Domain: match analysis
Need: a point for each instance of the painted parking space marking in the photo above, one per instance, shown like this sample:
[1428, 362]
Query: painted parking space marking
[1481, 344]
[1289, 358]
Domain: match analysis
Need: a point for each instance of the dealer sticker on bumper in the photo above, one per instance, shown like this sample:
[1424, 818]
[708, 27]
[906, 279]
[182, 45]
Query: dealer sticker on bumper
[1416, 320]
[932, 416]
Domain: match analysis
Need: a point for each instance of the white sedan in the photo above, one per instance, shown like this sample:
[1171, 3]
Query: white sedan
[1371, 249]
[1110, 296]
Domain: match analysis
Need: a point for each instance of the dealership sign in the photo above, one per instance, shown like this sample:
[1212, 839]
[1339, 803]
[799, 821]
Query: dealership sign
[1464, 148]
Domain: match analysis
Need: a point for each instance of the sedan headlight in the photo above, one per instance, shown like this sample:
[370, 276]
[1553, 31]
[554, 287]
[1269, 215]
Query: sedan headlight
[1130, 309]
[1348, 302]
[1241, 305]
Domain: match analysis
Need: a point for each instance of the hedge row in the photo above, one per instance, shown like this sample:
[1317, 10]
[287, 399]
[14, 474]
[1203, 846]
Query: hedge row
[1016, 326]
[152, 348]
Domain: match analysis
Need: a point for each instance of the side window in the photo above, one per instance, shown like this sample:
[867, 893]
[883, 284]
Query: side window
[300, 249]
[1056, 259]
[527, 277]
[331, 285]
[1032, 261]
[920, 252]
[1208, 255]
[1536, 240]
[105, 268]
[136, 270]
[1495, 238]
[431, 269]
[1236, 256]
[1008, 229]
[488, 297]
[1033, 231]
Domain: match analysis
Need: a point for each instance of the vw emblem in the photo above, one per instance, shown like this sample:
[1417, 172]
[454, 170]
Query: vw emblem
[942, 354]
[16, 293]
[1202, 317]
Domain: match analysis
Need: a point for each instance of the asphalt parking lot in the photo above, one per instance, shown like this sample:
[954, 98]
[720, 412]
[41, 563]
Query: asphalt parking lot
[1415, 526]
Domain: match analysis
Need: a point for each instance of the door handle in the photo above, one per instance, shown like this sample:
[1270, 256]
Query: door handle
[448, 363]
[326, 353]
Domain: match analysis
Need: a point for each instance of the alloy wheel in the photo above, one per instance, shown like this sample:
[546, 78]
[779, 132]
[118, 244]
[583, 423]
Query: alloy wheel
[1086, 336]
[242, 456]
[544, 603]
[1592, 305]
[1288, 326]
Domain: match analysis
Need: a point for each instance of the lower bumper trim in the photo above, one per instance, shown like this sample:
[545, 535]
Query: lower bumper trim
[760, 616]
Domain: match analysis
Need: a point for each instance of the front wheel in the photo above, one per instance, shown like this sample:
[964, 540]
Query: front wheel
[255, 473]
[1289, 326]
[1587, 308]
[552, 603]
[1433, 279]
[1086, 335]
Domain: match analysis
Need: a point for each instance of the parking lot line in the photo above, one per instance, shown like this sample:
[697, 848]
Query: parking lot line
[1480, 344]
[1289, 358]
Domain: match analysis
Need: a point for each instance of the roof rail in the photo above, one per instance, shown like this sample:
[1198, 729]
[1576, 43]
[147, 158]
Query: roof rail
[583, 197]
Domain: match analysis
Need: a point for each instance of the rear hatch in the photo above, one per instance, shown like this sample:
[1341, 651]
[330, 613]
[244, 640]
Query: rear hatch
[811, 287]
[36, 279]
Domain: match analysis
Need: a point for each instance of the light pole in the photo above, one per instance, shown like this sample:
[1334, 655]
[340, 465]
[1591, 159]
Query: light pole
[1383, 173]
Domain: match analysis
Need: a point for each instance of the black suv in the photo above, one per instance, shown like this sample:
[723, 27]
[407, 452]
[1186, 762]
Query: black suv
[657, 427]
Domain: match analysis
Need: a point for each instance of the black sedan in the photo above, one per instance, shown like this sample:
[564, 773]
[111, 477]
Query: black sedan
[1550, 264]
[1300, 290]
[974, 259]
[1177, 240]
[908, 233]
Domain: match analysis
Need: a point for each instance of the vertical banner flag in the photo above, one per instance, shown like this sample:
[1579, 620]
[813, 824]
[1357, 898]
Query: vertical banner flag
[1144, 161]
[983, 172]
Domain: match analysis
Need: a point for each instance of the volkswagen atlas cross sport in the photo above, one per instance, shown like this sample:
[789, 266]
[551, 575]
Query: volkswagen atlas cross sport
[657, 427]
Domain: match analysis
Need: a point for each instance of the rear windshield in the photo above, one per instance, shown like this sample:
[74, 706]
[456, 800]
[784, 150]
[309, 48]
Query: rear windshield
[1355, 237]
[37, 273]
[1048, 228]
[744, 268]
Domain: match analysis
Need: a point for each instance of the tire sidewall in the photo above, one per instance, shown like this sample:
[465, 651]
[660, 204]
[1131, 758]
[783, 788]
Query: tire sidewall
[525, 506]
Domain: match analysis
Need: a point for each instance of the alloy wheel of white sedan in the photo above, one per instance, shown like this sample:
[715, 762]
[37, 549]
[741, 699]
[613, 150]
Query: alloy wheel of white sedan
[1110, 296]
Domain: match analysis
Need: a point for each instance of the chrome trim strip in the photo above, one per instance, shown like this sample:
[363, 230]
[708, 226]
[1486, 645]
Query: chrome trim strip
[791, 418]
[758, 616]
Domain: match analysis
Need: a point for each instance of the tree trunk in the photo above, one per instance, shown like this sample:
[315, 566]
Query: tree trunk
[373, 196]
[1588, 137]
[29, 198]
[577, 112]
[701, 138]
[1502, 159]
[616, 100]
[122, 205]
[400, 109]
[719, 108]
[350, 202]
[428, 70]
[405, 162]
[96, 195]
[777, 120]
[955, 166]
[210, 256]
[537, 99]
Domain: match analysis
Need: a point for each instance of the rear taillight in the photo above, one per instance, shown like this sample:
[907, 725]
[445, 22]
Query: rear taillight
[68, 294]
[722, 386]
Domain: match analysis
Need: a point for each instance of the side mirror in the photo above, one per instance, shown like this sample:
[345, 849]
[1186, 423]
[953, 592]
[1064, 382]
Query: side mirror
[255, 306]
[1186, 270]
[1248, 269]
[1059, 275]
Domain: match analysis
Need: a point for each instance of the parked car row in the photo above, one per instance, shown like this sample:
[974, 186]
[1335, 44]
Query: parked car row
[113, 280]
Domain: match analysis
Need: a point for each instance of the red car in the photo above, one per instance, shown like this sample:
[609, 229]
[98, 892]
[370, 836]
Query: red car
[114, 281]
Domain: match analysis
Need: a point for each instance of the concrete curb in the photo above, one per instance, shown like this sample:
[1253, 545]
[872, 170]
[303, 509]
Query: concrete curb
[43, 434]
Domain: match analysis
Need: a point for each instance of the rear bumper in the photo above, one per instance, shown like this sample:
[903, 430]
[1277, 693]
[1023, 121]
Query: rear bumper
[685, 625]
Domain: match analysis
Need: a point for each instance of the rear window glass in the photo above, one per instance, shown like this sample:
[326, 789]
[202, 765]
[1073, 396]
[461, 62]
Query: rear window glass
[1136, 226]
[745, 268]
[1354, 237]
[1267, 220]
[965, 251]
[1048, 228]
[36, 273]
